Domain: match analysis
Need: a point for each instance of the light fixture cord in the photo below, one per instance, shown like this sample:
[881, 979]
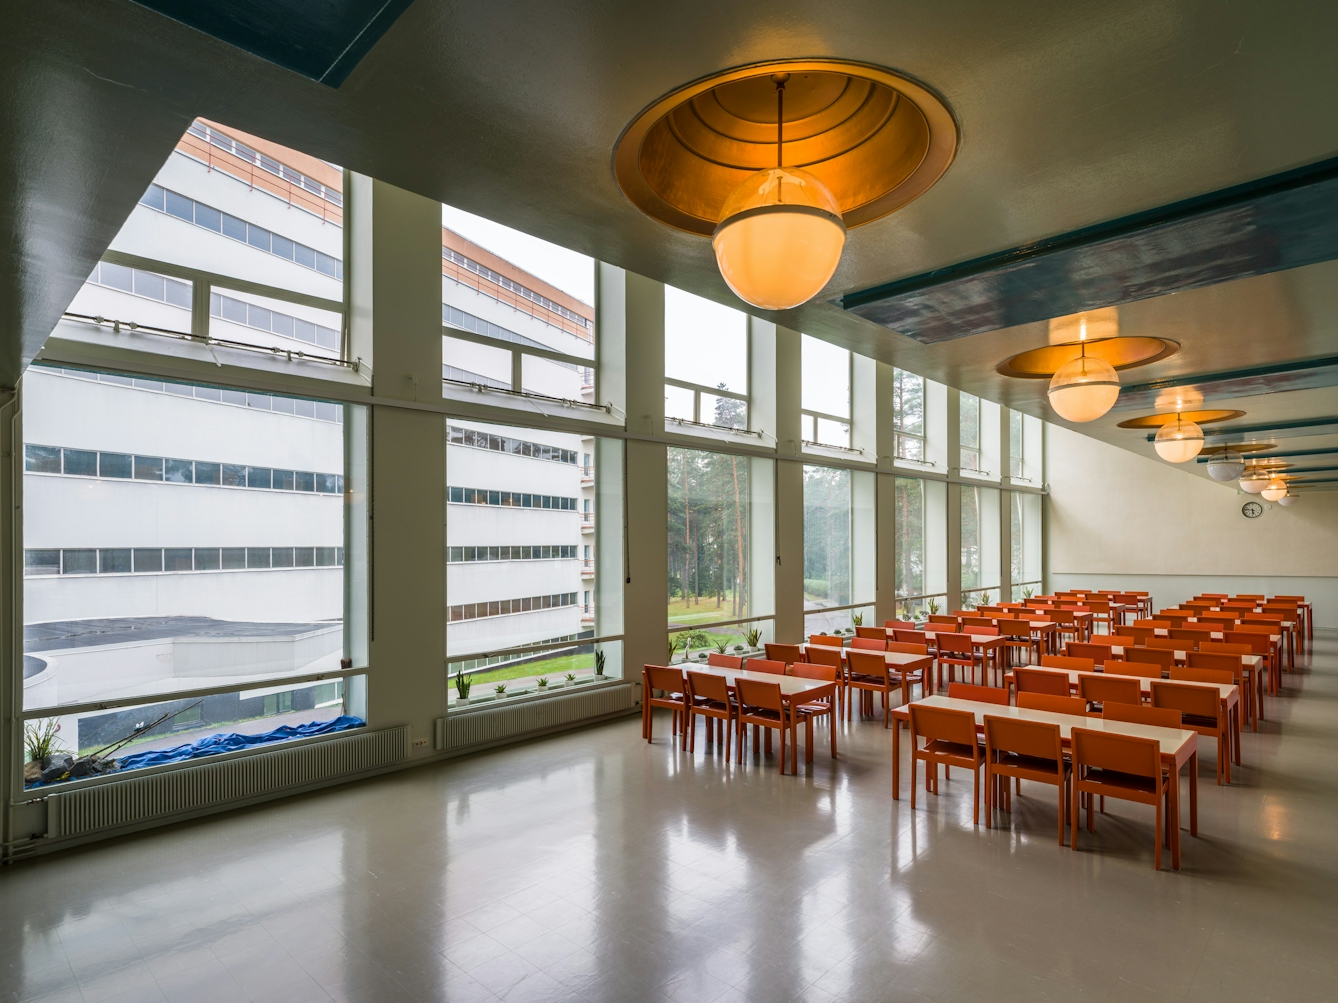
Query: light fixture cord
[779, 80]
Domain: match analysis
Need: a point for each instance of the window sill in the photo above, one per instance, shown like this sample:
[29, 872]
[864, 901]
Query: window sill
[531, 694]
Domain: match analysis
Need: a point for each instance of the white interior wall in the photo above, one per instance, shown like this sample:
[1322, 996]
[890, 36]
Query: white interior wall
[1120, 520]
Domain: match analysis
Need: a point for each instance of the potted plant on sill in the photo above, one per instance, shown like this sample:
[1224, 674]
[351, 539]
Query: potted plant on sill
[753, 637]
[463, 684]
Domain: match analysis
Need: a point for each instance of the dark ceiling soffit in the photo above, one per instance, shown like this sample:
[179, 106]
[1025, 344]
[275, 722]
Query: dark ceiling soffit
[1285, 453]
[321, 41]
[1277, 426]
[1283, 221]
[1300, 375]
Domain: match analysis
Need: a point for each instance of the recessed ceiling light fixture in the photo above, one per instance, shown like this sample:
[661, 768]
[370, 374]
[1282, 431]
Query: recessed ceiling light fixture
[777, 160]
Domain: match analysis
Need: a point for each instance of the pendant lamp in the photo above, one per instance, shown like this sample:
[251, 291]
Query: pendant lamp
[1085, 388]
[1178, 441]
[1226, 466]
[1276, 490]
[780, 234]
[1287, 500]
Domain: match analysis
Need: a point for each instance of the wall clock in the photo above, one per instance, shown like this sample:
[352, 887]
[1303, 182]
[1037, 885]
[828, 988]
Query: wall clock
[1252, 510]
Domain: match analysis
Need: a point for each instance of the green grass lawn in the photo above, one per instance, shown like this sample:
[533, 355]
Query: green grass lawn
[556, 668]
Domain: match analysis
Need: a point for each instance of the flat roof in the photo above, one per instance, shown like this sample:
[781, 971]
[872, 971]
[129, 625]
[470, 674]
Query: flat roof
[59, 634]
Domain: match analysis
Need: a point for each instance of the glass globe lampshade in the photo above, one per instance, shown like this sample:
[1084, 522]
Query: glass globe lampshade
[1226, 466]
[1178, 441]
[1083, 389]
[1287, 500]
[1254, 481]
[779, 239]
[1276, 489]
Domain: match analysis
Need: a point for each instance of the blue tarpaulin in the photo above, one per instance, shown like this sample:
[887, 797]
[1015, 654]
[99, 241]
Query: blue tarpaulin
[213, 745]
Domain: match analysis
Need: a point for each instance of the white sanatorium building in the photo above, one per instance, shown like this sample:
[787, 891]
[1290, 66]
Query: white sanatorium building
[189, 537]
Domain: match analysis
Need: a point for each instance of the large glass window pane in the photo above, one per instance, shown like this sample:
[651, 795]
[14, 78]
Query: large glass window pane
[1016, 446]
[825, 392]
[1027, 554]
[99, 631]
[908, 415]
[254, 215]
[709, 537]
[827, 538]
[503, 292]
[921, 574]
[705, 347]
[969, 415]
[520, 520]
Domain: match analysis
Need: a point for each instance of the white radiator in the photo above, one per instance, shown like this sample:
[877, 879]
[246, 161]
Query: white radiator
[160, 795]
[487, 725]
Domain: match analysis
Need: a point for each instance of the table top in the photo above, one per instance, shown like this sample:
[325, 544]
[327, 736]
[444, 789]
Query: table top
[1246, 661]
[981, 639]
[895, 658]
[1226, 690]
[790, 685]
[1170, 740]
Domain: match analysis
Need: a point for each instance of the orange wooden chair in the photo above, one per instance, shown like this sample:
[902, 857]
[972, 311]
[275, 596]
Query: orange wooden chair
[1215, 618]
[1119, 766]
[867, 673]
[1190, 635]
[1164, 643]
[1230, 664]
[786, 653]
[1023, 750]
[1152, 624]
[899, 624]
[760, 705]
[810, 711]
[1259, 638]
[909, 677]
[1097, 652]
[950, 740]
[772, 665]
[670, 683]
[877, 633]
[942, 620]
[1017, 637]
[956, 651]
[980, 694]
[1052, 704]
[1196, 674]
[709, 696]
[1101, 614]
[1102, 688]
[1141, 635]
[1040, 681]
[910, 636]
[969, 623]
[831, 640]
[1160, 656]
[1068, 663]
[1200, 710]
[1148, 670]
[819, 656]
[870, 643]
[1158, 717]
[724, 661]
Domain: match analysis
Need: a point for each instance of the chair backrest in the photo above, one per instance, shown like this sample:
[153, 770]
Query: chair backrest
[1230, 664]
[1296, 599]
[988, 630]
[1068, 663]
[1154, 624]
[1036, 739]
[976, 621]
[1015, 628]
[823, 656]
[1219, 617]
[1101, 688]
[1040, 681]
[899, 624]
[980, 694]
[1196, 701]
[1193, 674]
[1102, 750]
[910, 636]
[757, 695]
[1164, 643]
[908, 649]
[828, 639]
[879, 633]
[765, 665]
[1161, 656]
[1139, 633]
[1268, 618]
[942, 723]
[1148, 670]
[870, 643]
[1052, 703]
[1099, 605]
[945, 620]
[1224, 648]
[866, 663]
[787, 653]
[1191, 634]
[1096, 652]
[724, 661]
[807, 670]
[708, 685]
[1063, 617]
[1286, 609]
[1212, 595]
[957, 644]
[1158, 717]
[661, 677]
[1264, 630]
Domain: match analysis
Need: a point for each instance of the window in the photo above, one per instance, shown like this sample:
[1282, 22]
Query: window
[705, 361]
[515, 575]
[969, 415]
[517, 312]
[908, 415]
[839, 542]
[1026, 536]
[710, 542]
[980, 544]
[96, 521]
[1016, 446]
[825, 393]
[921, 509]
[262, 222]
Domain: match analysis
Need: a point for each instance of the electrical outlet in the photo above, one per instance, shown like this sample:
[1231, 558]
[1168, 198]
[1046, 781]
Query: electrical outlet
[420, 743]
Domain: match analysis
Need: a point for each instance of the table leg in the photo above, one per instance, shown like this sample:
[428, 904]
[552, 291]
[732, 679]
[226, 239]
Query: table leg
[896, 759]
[1174, 820]
[1194, 794]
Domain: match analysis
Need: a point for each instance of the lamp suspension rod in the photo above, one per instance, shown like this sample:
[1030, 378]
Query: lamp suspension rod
[779, 80]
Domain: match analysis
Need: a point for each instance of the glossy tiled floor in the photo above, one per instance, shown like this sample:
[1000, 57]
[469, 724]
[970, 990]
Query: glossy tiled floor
[591, 866]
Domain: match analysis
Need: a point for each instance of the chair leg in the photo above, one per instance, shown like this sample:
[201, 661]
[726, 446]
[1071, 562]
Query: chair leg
[913, 772]
[1062, 787]
[1073, 817]
[1156, 853]
[975, 796]
[991, 781]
